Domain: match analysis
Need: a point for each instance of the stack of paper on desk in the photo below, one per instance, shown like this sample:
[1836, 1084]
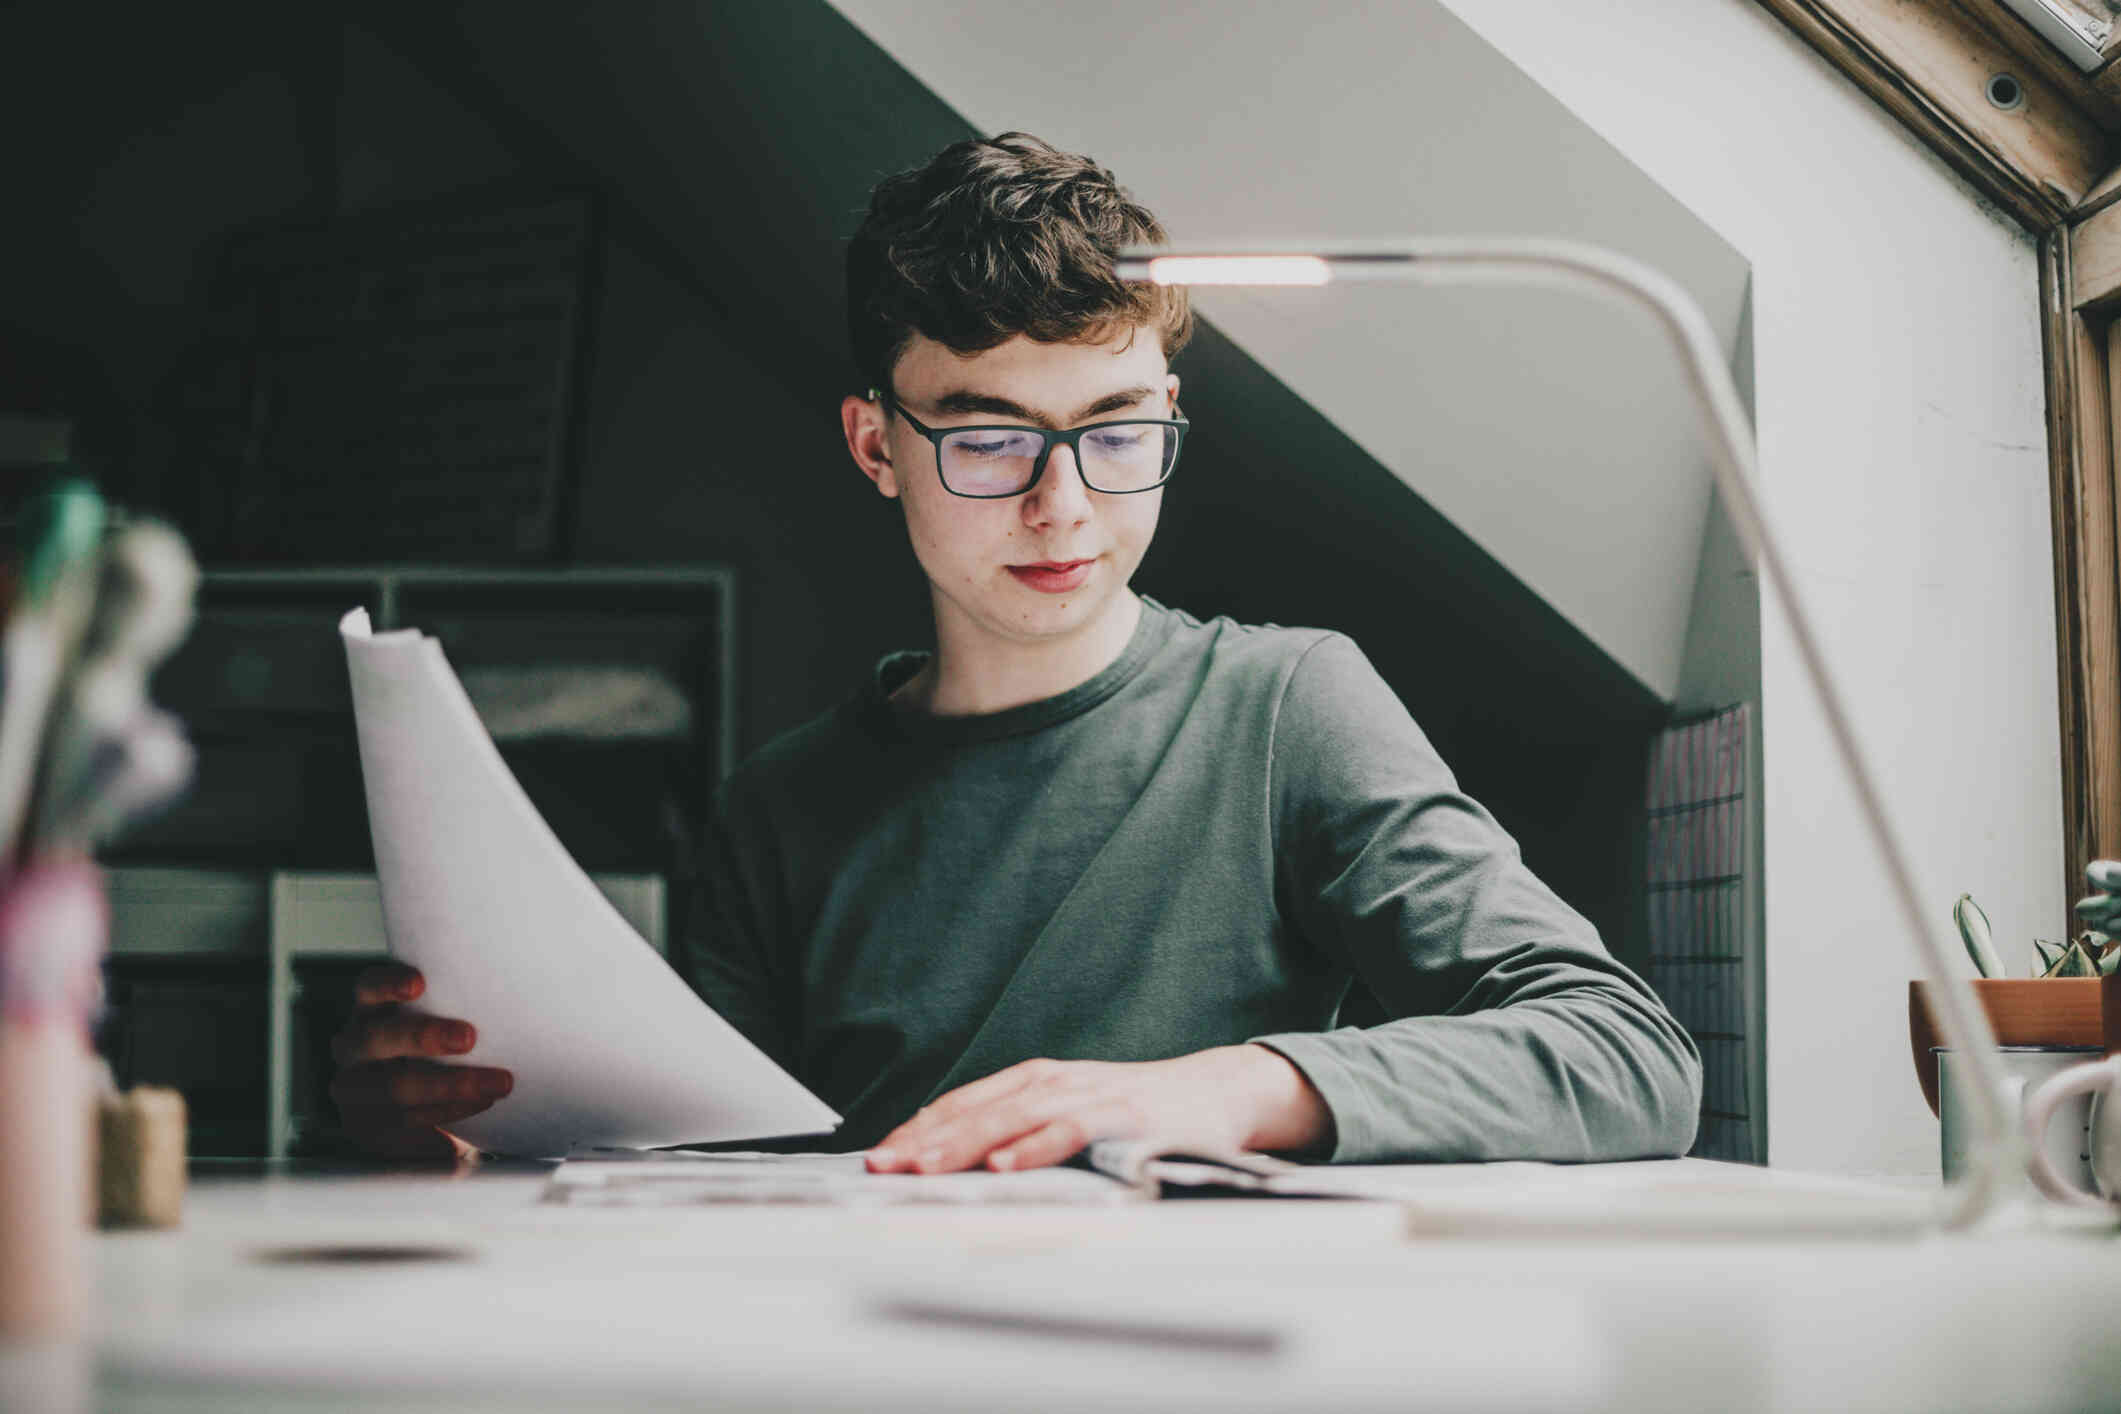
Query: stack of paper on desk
[608, 1045]
[657, 1179]
[1683, 1198]
[1109, 1171]
[1112, 1171]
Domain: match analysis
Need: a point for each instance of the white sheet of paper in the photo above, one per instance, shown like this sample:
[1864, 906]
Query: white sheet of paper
[607, 1043]
[612, 1178]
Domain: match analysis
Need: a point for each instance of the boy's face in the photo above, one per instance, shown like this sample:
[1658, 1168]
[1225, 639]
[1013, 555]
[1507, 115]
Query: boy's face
[1055, 560]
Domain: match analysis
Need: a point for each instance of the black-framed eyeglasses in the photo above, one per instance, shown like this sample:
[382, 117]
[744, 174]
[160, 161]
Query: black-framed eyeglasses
[988, 463]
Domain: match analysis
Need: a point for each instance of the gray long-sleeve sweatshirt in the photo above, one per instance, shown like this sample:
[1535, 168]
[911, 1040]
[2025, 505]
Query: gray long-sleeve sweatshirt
[1201, 845]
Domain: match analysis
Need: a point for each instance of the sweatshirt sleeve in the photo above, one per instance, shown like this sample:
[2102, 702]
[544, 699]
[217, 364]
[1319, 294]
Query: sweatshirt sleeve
[1514, 1033]
[722, 953]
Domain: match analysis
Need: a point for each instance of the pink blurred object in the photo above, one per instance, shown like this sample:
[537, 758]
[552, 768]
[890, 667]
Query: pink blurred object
[54, 921]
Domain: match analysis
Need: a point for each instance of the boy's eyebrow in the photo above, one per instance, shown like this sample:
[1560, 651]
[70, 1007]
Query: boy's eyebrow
[964, 401]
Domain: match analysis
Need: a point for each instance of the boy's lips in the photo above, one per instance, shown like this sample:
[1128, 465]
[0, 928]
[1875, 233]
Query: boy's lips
[1053, 576]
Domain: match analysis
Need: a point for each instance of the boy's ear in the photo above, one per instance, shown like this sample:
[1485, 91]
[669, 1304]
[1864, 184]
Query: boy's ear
[1171, 394]
[865, 422]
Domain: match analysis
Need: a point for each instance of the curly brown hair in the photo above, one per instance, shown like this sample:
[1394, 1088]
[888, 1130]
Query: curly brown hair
[996, 237]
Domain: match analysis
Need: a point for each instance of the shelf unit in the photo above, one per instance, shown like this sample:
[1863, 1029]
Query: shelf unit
[259, 935]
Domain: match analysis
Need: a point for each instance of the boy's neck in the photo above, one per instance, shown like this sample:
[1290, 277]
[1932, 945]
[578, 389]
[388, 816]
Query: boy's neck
[974, 673]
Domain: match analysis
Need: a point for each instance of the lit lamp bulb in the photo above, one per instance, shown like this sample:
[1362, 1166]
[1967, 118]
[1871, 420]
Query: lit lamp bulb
[1232, 270]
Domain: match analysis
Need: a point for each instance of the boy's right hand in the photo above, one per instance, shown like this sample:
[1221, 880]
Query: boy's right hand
[393, 1093]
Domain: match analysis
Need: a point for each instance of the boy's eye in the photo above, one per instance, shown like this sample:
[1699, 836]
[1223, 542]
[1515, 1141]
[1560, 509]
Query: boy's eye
[992, 445]
[1119, 439]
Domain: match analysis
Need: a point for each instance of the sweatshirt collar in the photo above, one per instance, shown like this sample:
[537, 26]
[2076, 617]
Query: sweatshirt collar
[1150, 631]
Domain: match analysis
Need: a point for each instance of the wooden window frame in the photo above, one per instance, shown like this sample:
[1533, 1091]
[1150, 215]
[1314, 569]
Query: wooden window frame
[2053, 162]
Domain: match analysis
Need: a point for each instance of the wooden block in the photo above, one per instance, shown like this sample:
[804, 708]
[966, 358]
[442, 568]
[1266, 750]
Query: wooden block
[140, 1163]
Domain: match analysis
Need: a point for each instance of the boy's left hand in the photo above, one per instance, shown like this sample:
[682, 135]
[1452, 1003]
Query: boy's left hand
[1044, 1111]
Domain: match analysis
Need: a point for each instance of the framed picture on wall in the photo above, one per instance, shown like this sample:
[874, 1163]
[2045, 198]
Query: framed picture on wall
[400, 385]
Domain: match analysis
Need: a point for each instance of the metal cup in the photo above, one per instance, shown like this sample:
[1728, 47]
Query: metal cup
[2066, 1144]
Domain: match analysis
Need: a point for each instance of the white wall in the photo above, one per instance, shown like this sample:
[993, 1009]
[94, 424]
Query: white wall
[1549, 430]
[1902, 441]
[1900, 426]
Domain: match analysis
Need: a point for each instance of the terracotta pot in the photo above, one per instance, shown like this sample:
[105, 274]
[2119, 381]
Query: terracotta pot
[2025, 1011]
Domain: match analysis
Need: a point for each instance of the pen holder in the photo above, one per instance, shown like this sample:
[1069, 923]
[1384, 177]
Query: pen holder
[2025, 1069]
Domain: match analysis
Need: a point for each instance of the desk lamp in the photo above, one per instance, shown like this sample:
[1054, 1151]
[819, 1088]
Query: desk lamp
[1999, 1149]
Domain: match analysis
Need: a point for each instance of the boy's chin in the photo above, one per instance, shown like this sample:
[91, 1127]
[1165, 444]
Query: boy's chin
[1025, 612]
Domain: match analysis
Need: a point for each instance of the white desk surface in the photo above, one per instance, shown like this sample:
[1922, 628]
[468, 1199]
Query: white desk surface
[1295, 1305]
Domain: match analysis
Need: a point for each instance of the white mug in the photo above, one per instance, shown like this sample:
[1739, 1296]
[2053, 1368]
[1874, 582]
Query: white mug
[2092, 1083]
[2025, 1070]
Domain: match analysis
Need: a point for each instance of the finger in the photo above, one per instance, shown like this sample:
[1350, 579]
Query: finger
[925, 1143]
[388, 982]
[1064, 1138]
[465, 1153]
[410, 1133]
[1054, 1143]
[967, 1142]
[437, 1116]
[898, 1148]
[385, 1035]
[410, 1084]
[417, 1084]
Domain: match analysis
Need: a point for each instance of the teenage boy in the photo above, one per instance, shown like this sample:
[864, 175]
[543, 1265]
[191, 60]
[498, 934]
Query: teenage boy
[1094, 868]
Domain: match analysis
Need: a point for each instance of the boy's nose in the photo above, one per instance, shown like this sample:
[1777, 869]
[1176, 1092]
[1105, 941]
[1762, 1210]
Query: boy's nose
[1060, 494]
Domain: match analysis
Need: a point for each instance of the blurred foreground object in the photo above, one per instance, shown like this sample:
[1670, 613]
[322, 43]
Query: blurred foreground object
[93, 604]
[53, 922]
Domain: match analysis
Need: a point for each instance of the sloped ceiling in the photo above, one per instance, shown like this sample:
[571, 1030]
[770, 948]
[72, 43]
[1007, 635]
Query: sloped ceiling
[1550, 428]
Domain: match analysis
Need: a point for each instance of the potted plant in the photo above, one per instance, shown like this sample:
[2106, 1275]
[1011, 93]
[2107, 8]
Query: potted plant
[2058, 1005]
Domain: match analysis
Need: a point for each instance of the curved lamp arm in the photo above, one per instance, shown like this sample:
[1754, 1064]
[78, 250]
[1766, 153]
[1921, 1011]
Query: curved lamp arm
[1999, 1149]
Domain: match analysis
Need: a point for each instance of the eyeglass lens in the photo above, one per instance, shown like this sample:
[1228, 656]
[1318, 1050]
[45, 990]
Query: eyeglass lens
[1117, 457]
